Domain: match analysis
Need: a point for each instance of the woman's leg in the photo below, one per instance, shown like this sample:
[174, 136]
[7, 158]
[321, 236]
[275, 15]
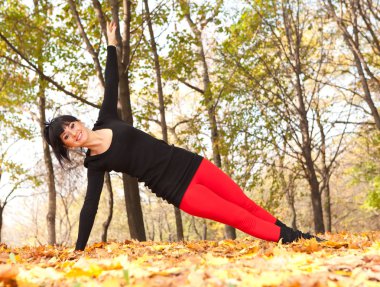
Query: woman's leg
[221, 184]
[200, 201]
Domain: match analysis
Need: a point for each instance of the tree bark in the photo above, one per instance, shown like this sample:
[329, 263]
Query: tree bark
[204, 233]
[52, 201]
[294, 37]
[107, 223]
[325, 189]
[287, 185]
[1, 220]
[52, 204]
[131, 189]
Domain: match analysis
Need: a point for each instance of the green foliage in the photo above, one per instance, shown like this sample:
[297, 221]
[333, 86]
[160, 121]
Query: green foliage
[366, 171]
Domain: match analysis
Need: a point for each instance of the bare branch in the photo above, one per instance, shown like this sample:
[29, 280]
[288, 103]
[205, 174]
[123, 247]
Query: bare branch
[101, 17]
[191, 86]
[45, 77]
[89, 46]
[214, 14]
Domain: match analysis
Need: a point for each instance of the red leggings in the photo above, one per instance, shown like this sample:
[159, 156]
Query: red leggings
[213, 195]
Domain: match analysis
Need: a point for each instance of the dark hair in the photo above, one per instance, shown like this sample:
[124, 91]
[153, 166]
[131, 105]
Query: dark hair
[52, 132]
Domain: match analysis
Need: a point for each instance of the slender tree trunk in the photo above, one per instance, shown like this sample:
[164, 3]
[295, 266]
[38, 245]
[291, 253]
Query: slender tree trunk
[327, 205]
[291, 202]
[311, 175]
[150, 228]
[131, 189]
[325, 174]
[52, 201]
[293, 212]
[160, 226]
[294, 37]
[135, 216]
[1, 220]
[355, 48]
[164, 128]
[288, 188]
[353, 44]
[52, 204]
[195, 229]
[107, 223]
[287, 185]
[204, 234]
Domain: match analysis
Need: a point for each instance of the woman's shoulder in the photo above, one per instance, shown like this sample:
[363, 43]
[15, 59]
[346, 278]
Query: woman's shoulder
[104, 122]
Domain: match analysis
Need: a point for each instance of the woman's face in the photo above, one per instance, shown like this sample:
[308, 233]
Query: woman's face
[74, 134]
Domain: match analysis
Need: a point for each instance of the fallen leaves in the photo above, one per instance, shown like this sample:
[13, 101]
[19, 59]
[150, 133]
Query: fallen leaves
[345, 260]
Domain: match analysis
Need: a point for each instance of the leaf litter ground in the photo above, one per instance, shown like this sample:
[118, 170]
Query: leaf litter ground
[344, 260]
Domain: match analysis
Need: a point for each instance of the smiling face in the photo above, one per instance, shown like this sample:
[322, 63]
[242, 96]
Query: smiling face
[74, 134]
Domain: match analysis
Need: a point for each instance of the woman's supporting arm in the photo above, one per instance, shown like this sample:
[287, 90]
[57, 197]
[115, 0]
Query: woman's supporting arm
[90, 207]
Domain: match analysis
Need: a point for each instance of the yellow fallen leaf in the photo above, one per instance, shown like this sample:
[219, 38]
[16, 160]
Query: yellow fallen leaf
[85, 267]
[159, 247]
[77, 272]
[196, 278]
[343, 272]
[195, 246]
[334, 244]
[212, 260]
[227, 242]
[8, 271]
[112, 282]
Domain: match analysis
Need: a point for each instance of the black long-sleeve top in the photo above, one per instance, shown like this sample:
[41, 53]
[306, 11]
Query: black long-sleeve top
[167, 170]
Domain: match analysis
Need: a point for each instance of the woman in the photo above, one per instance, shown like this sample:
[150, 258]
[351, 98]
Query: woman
[184, 179]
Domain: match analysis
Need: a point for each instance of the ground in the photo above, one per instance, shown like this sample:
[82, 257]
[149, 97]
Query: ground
[344, 260]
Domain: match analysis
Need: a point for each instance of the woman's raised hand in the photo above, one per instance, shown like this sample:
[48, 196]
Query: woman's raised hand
[111, 33]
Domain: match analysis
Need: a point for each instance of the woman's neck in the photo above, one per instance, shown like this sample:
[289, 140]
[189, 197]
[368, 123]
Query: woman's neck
[98, 141]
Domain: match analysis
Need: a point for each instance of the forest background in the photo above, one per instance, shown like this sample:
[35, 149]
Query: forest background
[282, 95]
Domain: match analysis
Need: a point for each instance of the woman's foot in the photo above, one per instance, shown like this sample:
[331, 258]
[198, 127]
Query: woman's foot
[288, 235]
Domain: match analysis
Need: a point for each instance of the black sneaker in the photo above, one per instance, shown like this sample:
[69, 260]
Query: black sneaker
[309, 236]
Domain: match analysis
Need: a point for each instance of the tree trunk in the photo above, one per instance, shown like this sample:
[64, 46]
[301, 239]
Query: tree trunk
[293, 214]
[133, 206]
[353, 44]
[310, 172]
[107, 223]
[1, 220]
[204, 234]
[325, 173]
[131, 189]
[52, 204]
[195, 229]
[327, 205]
[294, 37]
[316, 200]
[164, 128]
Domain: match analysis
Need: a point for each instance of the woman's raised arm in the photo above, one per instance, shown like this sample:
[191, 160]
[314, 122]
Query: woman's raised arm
[109, 105]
